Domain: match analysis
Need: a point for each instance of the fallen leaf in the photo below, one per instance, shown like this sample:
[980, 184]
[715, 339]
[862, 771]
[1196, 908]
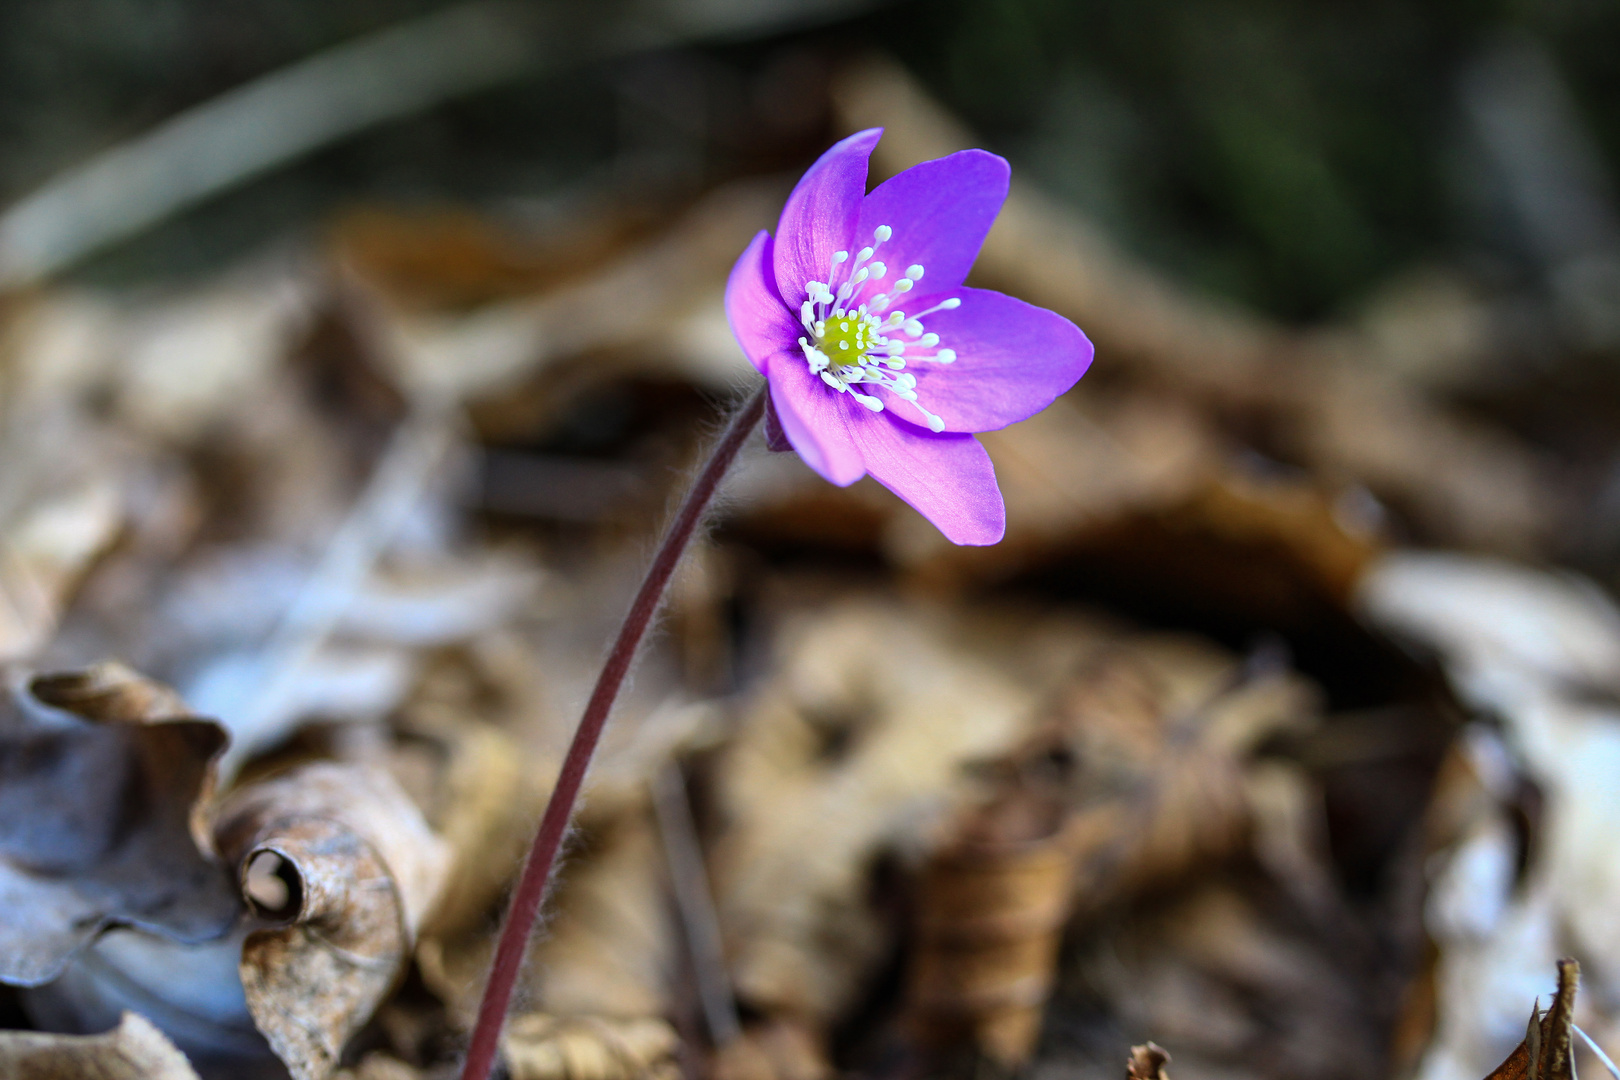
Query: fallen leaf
[1547, 1052]
[598, 981]
[105, 776]
[134, 1050]
[540, 1047]
[1147, 1063]
[342, 856]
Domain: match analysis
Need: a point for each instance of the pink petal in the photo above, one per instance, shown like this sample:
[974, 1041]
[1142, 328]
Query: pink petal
[1012, 360]
[947, 478]
[820, 216]
[940, 212]
[760, 321]
[815, 418]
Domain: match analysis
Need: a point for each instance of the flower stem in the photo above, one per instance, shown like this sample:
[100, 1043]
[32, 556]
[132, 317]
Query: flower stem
[531, 890]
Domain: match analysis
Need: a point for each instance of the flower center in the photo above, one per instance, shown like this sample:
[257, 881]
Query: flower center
[854, 340]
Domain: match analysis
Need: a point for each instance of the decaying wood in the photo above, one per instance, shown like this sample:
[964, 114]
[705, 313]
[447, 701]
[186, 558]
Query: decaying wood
[103, 780]
[134, 1050]
[359, 871]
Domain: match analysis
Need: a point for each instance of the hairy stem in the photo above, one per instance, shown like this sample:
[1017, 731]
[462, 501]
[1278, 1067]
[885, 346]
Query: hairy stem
[531, 890]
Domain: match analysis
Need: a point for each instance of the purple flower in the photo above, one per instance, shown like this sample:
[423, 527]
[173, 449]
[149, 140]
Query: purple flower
[879, 359]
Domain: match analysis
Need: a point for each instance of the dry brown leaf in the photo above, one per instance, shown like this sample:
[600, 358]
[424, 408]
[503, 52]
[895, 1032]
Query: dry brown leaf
[1147, 1063]
[776, 1048]
[482, 795]
[43, 555]
[850, 747]
[354, 870]
[1547, 1052]
[1238, 987]
[990, 915]
[134, 1050]
[541, 1047]
[104, 777]
[609, 949]
[379, 1066]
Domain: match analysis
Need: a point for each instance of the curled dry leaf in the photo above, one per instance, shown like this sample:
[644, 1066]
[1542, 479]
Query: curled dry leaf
[103, 774]
[134, 1050]
[343, 855]
[1147, 1062]
[991, 913]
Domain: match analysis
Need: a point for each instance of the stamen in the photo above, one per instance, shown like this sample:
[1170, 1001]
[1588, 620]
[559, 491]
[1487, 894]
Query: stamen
[866, 355]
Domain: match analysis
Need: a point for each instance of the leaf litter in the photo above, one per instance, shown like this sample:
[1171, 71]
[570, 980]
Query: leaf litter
[1205, 754]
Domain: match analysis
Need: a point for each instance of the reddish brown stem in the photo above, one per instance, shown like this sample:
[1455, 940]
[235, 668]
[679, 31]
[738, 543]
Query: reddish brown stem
[531, 891]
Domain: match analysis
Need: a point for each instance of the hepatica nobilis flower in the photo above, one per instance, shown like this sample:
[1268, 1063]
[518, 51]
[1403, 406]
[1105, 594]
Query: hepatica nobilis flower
[880, 361]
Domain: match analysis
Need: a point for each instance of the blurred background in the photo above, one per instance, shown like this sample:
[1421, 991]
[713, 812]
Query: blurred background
[351, 353]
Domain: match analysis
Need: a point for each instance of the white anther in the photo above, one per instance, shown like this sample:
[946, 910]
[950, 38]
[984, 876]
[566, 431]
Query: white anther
[946, 356]
[935, 424]
[928, 341]
[950, 305]
[913, 327]
[914, 272]
[868, 400]
[833, 381]
[882, 233]
[903, 286]
[839, 256]
[844, 345]
[878, 270]
[866, 253]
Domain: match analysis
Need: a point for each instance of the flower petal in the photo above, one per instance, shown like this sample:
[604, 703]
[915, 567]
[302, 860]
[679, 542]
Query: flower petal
[819, 217]
[947, 478]
[815, 418]
[759, 320]
[1012, 360]
[940, 212]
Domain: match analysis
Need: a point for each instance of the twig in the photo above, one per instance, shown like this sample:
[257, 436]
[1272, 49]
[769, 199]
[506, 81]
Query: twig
[696, 905]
